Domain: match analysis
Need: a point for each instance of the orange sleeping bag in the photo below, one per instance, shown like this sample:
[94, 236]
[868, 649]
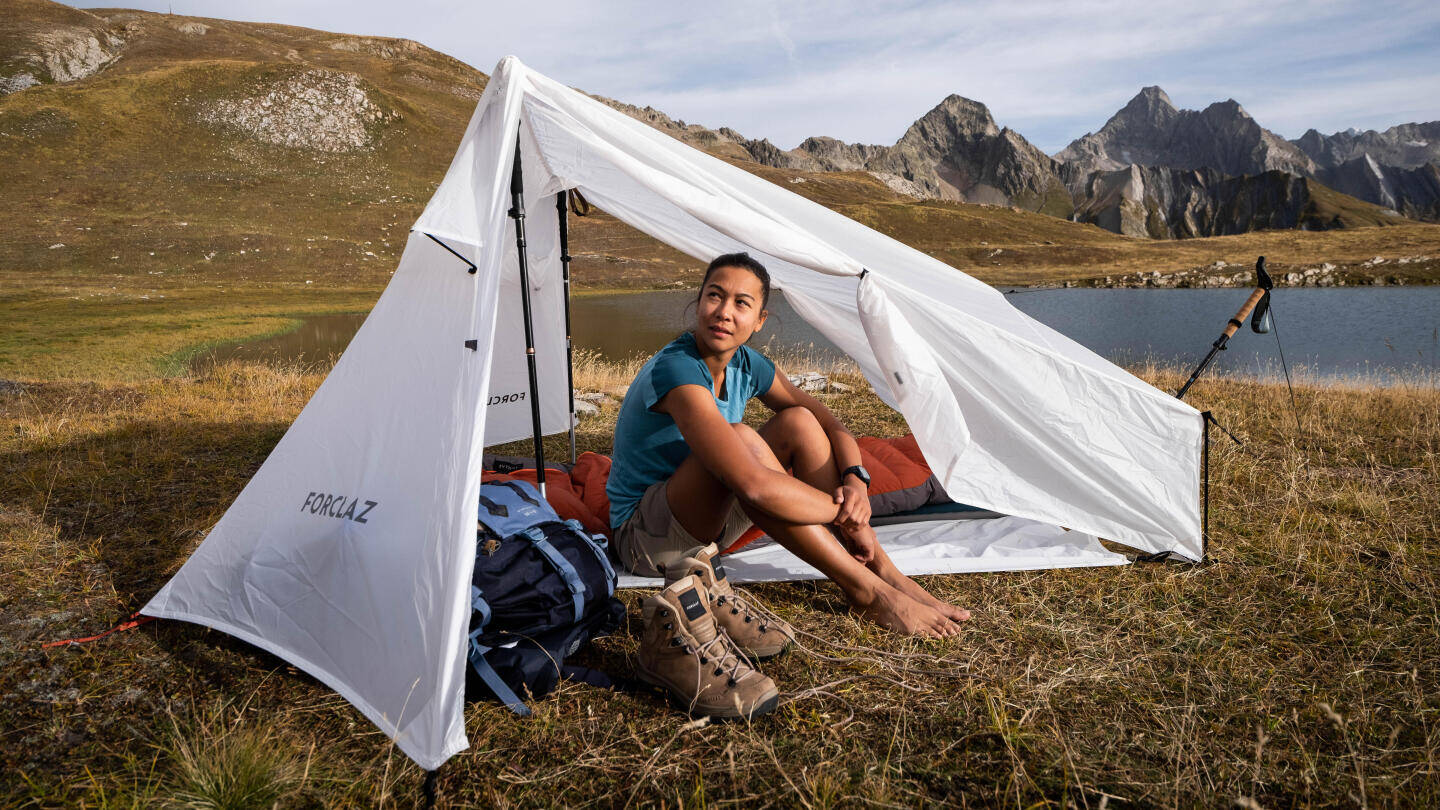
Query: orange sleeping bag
[900, 480]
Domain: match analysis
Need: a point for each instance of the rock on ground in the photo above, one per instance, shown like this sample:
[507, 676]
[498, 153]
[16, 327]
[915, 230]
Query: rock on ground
[323, 110]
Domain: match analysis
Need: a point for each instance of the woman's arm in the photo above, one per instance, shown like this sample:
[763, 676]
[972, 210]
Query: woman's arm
[725, 455]
[852, 495]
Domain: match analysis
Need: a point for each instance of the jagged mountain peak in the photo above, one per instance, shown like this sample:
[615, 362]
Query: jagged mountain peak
[1229, 108]
[1150, 131]
[1405, 146]
[1150, 103]
[1154, 94]
[960, 115]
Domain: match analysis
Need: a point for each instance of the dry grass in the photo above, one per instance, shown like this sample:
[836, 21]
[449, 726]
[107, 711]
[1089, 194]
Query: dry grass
[1297, 668]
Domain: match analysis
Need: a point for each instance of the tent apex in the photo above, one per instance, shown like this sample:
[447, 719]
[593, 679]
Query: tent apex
[508, 62]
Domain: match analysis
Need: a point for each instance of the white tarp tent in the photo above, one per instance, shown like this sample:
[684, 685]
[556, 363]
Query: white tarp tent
[350, 552]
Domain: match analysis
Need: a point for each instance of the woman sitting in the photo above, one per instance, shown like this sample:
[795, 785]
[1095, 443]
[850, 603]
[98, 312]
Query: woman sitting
[688, 473]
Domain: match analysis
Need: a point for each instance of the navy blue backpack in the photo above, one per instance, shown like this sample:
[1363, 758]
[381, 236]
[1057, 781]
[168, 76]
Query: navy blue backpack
[542, 588]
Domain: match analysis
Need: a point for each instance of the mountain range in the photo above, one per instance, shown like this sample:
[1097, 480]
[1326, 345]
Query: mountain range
[1152, 170]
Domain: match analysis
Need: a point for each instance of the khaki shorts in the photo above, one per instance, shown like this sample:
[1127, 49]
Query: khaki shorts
[652, 537]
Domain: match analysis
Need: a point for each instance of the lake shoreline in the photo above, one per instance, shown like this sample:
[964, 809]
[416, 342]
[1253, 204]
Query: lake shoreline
[1389, 335]
[1402, 271]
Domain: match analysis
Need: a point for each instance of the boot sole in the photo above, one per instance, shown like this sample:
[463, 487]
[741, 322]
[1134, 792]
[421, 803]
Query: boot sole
[754, 656]
[728, 713]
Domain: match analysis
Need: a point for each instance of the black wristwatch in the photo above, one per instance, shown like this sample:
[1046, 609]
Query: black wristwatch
[860, 472]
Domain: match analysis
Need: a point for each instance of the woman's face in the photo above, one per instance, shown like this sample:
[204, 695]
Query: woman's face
[731, 309]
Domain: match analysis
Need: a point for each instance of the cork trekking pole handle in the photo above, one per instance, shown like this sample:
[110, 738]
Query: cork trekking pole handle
[1239, 319]
[1262, 289]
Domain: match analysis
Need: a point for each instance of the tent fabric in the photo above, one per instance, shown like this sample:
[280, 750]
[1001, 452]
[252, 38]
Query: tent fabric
[349, 553]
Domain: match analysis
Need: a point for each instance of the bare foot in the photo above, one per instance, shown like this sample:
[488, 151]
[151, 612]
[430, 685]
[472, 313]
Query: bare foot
[896, 611]
[915, 591]
[906, 585]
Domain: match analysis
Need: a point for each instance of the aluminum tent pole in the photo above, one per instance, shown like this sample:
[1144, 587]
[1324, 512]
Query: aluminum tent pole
[569, 344]
[517, 212]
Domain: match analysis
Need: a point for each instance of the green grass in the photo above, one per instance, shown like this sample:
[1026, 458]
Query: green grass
[126, 334]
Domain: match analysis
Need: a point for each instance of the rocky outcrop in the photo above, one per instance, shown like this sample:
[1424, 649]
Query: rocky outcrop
[1407, 146]
[1150, 131]
[1377, 271]
[954, 152]
[383, 47]
[53, 44]
[1159, 202]
[321, 110]
[723, 141]
[1414, 193]
[833, 155]
[1383, 168]
[1398, 168]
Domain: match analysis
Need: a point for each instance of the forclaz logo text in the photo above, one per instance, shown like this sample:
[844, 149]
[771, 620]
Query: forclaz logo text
[338, 506]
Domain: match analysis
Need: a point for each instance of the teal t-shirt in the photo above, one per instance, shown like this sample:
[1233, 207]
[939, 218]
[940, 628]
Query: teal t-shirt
[648, 445]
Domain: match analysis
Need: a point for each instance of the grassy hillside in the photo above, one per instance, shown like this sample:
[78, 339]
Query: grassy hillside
[147, 210]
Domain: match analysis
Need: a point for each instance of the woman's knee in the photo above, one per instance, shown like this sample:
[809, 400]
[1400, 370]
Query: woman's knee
[757, 445]
[794, 428]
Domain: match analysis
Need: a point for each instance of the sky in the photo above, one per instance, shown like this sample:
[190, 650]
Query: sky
[1052, 70]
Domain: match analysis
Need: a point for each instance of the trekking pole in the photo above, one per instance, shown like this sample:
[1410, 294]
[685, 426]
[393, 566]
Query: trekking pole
[569, 345]
[1261, 324]
[517, 212]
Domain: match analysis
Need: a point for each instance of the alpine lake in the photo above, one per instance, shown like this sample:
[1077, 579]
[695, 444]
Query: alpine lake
[1371, 335]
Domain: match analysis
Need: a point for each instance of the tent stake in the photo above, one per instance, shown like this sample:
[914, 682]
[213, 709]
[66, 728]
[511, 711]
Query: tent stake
[517, 212]
[569, 343]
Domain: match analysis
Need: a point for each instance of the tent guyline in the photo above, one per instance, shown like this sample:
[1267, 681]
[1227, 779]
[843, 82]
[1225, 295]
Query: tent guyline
[1009, 415]
[454, 253]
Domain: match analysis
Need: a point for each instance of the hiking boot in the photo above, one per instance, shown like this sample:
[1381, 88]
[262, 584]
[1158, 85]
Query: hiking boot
[758, 633]
[686, 653]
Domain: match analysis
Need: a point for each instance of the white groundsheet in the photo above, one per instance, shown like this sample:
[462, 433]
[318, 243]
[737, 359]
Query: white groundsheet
[932, 547]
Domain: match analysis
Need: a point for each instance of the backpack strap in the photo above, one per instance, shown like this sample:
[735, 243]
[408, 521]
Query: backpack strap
[482, 667]
[521, 491]
[496, 509]
[509, 507]
[562, 565]
[597, 544]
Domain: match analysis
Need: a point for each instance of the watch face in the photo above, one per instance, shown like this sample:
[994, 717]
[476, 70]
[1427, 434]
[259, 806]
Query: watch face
[861, 473]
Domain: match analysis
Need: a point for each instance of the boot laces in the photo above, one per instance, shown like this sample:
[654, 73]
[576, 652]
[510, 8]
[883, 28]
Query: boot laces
[747, 609]
[753, 607]
[727, 660]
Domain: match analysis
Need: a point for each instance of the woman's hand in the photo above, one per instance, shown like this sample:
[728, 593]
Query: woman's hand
[853, 520]
[854, 507]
